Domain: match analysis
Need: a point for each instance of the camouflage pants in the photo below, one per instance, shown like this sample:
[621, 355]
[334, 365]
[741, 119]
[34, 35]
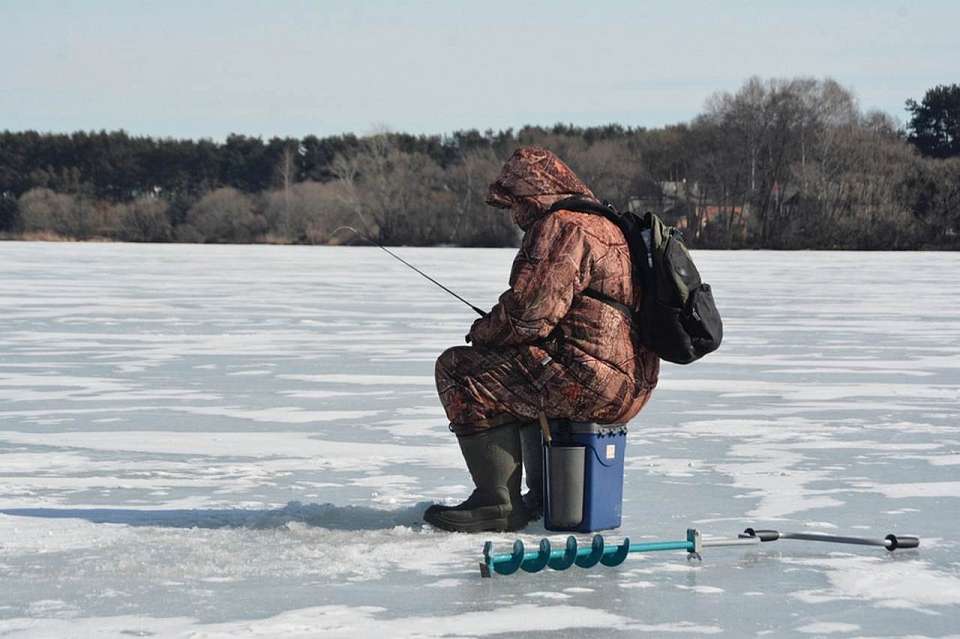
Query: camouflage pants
[483, 388]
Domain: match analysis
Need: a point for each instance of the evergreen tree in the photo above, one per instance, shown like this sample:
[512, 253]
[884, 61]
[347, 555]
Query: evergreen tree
[934, 126]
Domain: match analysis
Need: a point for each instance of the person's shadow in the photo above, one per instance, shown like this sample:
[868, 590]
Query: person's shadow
[319, 515]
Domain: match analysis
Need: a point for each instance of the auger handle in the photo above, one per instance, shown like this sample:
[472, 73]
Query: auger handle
[902, 541]
[763, 535]
[891, 542]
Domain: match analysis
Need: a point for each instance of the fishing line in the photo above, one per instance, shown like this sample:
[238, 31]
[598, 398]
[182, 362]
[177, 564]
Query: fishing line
[480, 312]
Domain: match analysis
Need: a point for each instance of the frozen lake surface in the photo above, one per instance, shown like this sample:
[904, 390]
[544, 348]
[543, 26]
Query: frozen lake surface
[227, 441]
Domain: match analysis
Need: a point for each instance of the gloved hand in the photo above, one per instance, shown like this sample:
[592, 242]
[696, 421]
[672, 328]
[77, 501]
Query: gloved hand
[469, 336]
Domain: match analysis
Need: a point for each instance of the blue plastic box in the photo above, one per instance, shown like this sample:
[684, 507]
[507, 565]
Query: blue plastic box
[583, 476]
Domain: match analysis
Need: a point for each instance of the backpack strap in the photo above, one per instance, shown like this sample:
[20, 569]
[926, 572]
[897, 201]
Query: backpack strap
[605, 209]
[606, 299]
[583, 204]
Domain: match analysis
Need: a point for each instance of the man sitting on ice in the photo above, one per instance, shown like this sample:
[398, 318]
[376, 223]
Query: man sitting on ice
[548, 345]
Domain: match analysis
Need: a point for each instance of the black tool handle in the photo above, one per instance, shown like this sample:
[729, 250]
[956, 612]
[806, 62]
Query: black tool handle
[902, 541]
[764, 535]
[891, 542]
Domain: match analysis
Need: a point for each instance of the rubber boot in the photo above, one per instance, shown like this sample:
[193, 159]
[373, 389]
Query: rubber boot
[531, 443]
[494, 460]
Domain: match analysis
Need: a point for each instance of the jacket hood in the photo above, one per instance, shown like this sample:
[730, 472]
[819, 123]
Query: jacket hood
[531, 181]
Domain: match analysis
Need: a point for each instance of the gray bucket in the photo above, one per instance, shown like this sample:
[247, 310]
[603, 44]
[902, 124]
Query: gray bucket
[565, 484]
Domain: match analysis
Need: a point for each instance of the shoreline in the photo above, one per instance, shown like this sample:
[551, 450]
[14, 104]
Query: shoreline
[57, 239]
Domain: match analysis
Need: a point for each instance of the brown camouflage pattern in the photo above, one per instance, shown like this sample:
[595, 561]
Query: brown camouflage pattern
[599, 370]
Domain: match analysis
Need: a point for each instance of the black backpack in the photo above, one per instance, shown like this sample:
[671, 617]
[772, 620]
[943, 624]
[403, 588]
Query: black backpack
[678, 319]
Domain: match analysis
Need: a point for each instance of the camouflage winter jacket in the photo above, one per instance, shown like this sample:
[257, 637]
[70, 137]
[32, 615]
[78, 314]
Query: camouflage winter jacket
[564, 254]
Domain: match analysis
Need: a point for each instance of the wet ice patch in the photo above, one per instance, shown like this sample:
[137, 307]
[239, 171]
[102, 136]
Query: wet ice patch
[347, 622]
[914, 489]
[446, 583]
[385, 381]
[330, 454]
[887, 582]
[548, 595]
[637, 584]
[279, 414]
[800, 392]
[20, 535]
[662, 466]
[828, 628]
[702, 590]
[680, 627]
[772, 461]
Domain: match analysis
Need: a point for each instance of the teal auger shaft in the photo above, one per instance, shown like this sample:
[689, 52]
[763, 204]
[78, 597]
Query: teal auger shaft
[614, 555]
[598, 552]
[662, 545]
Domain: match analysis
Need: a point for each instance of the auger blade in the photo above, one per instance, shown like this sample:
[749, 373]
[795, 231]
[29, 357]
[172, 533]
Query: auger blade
[616, 554]
[590, 559]
[564, 561]
[539, 561]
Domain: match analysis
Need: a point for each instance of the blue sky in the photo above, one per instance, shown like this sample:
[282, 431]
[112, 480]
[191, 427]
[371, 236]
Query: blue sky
[205, 69]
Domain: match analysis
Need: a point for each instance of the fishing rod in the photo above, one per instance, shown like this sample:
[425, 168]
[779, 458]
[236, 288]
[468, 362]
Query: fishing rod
[480, 312]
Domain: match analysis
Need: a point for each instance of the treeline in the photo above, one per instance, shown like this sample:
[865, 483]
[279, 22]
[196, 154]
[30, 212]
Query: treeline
[778, 164]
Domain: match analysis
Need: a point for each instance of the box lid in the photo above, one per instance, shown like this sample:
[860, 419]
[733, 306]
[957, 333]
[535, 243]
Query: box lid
[587, 428]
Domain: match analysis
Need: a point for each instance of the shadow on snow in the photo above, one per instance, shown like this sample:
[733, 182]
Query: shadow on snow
[319, 515]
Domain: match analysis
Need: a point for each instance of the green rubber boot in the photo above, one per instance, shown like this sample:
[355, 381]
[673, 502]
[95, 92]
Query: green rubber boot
[493, 459]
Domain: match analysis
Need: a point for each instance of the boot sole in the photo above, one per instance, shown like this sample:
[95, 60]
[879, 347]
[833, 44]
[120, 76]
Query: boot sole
[511, 523]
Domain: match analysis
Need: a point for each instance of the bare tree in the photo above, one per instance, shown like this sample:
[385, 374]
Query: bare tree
[287, 171]
[393, 192]
[468, 220]
[224, 215]
[146, 219]
[43, 210]
[306, 212]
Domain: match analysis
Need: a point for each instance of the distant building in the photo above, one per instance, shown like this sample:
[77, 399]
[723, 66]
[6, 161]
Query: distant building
[684, 205]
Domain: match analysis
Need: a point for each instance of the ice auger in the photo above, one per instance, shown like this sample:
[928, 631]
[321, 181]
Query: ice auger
[613, 555]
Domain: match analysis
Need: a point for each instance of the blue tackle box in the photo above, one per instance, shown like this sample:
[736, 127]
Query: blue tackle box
[583, 476]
